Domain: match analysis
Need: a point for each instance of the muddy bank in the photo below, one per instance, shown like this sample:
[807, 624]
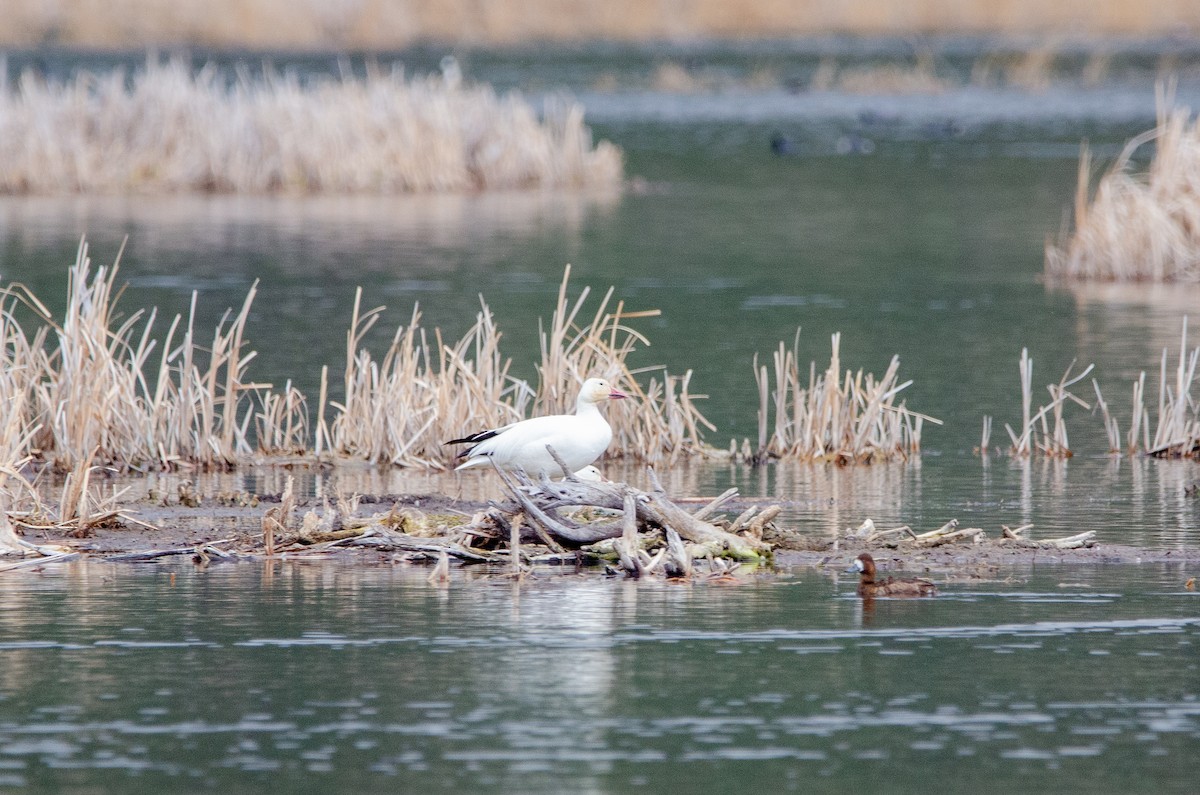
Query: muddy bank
[231, 528]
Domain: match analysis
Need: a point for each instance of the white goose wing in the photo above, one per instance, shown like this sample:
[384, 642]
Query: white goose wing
[578, 440]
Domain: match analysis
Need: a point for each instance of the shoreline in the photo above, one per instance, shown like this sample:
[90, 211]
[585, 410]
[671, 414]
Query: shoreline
[384, 24]
[234, 532]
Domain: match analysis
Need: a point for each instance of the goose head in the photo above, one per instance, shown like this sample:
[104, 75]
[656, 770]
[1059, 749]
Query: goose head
[597, 390]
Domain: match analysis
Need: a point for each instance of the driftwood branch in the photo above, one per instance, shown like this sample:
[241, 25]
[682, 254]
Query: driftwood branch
[972, 534]
[678, 563]
[60, 557]
[654, 511]
[715, 505]
[1014, 537]
[627, 546]
[380, 537]
[947, 528]
[202, 550]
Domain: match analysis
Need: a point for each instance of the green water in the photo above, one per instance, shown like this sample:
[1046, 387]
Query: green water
[901, 254]
[355, 678]
[364, 678]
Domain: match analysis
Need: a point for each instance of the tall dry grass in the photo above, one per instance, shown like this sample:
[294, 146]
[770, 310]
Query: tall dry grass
[91, 386]
[843, 417]
[1172, 430]
[1043, 430]
[165, 128]
[1138, 226]
[425, 389]
[401, 408]
[98, 388]
[892, 78]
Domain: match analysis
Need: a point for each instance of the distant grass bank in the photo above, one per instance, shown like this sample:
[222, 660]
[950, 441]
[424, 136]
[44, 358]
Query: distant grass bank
[166, 129]
[373, 24]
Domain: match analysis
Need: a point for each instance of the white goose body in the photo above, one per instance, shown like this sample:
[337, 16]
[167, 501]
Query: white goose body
[579, 438]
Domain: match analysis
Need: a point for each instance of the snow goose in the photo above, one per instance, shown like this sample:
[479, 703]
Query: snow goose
[579, 438]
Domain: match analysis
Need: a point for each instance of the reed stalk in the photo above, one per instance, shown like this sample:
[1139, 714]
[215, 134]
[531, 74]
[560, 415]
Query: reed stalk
[1177, 433]
[846, 418]
[1111, 427]
[1052, 440]
[1171, 430]
[985, 436]
[84, 389]
[402, 408]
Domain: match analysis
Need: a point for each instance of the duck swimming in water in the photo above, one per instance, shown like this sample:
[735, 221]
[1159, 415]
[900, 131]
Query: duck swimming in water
[864, 564]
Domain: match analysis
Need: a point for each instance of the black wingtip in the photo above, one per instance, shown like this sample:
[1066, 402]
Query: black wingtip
[473, 438]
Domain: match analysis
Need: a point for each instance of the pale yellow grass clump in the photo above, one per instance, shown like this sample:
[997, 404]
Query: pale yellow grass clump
[92, 388]
[1173, 430]
[842, 417]
[1045, 429]
[167, 129]
[425, 390]
[97, 388]
[384, 24]
[1138, 226]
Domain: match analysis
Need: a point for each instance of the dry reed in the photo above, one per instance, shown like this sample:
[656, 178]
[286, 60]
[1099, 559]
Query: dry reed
[846, 418]
[167, 129]
[892, 79]
[385, 24]
[1138, 227]
[1044, 430]
[1170, 431]
[88, 389]
[1177, 432]
[402, 408]
[99, 389]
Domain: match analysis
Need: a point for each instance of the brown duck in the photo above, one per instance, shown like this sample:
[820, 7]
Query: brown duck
[864, 564]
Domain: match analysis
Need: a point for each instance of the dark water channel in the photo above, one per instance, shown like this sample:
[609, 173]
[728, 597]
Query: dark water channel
[366, 679]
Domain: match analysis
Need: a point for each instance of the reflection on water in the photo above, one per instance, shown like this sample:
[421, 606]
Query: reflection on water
[337, 226]
[366, 679]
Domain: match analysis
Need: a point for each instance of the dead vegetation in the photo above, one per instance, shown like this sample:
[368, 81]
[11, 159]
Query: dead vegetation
[165, 129]
[99, 388]
[1137, 226]
[904, 539]
[886, 78]
[1168, 429]
[402, 408]
[555, 523]
[841, 417]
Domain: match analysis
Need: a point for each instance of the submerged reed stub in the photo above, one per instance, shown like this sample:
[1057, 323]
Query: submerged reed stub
[1171, 432]
[166, 128]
